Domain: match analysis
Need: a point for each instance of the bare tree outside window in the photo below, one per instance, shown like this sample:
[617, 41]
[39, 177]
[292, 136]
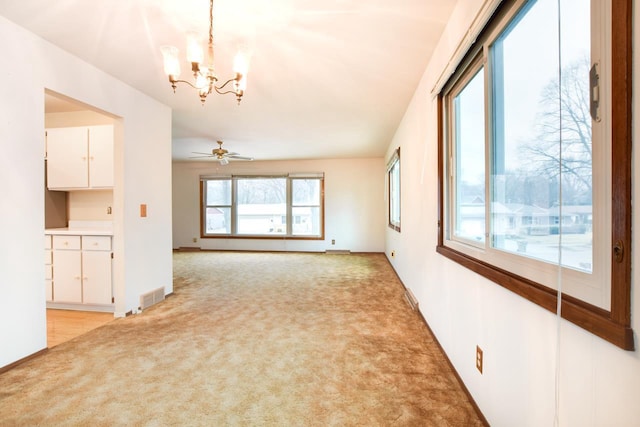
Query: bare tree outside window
[564, 113]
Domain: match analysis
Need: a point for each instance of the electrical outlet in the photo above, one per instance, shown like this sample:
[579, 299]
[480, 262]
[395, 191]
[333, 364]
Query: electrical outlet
[195, 240]
[393, 254]
[479, 359]
[333, 241]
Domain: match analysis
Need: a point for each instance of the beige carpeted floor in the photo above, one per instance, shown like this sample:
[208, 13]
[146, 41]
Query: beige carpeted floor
[250, 339]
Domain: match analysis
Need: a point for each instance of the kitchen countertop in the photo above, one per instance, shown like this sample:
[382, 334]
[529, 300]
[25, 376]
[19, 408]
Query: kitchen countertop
[79, 231]
[83, 228]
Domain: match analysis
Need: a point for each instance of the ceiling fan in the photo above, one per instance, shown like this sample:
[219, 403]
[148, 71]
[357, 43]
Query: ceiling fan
[222, 155]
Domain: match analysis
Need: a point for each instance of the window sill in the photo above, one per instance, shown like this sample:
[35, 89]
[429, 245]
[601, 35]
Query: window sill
[259, 237]
[587, 316]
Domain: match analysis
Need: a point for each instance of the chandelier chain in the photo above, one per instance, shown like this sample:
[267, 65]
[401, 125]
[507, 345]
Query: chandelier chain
[211, 22]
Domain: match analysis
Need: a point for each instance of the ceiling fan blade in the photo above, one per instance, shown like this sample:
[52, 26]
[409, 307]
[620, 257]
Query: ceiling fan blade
[236, 157]
[201, 157]
[204, 154]
[224, 161]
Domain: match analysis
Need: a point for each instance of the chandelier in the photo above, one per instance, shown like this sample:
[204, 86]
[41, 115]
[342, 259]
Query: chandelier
[204, 76]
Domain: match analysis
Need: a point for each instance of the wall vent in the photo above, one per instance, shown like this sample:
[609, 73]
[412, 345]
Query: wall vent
[151, 298]
[411, 299]
[338, 252]
[189, 249]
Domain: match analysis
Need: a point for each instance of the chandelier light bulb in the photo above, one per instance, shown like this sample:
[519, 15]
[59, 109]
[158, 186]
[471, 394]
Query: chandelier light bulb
[195, 54]
[240, 63]
[171, 62]
[241, 84]
[201, 81]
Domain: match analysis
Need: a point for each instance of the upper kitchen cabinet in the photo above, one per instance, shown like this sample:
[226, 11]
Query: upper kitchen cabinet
[80, 157]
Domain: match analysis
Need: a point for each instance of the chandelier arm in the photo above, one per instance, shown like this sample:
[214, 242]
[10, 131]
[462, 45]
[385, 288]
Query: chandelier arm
[185, 81]
[225, 92]
[218, 88]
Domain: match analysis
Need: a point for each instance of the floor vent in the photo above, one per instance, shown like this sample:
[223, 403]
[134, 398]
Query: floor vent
[337, 252]
[150, 298]
[411, 299]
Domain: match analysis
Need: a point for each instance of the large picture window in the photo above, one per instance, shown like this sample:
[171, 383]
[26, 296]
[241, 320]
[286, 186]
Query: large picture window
[530, 131]
[264, 206]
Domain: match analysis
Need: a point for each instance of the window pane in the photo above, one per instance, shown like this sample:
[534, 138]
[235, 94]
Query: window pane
[218, 192]
[306, 221]
[541, 158]
[469, 184]
[218, 221]
[261, 206]
[305, 191]
[394, 194]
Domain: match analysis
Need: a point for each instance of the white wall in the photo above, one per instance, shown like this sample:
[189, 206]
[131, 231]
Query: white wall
[599, 383]
[354, 204]
[143, 137]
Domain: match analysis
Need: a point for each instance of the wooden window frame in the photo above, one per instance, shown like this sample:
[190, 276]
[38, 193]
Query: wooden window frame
[614, 325]
[286, 236]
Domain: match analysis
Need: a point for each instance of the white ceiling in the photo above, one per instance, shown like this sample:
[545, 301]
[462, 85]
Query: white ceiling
[327, 78]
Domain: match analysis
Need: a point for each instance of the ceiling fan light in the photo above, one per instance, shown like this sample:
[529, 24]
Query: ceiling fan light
[171, 63]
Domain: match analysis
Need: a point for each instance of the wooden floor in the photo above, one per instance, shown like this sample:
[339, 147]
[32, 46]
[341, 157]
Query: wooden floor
[63, 325]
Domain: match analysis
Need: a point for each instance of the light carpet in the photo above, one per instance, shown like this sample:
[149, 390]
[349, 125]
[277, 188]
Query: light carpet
[251, 339]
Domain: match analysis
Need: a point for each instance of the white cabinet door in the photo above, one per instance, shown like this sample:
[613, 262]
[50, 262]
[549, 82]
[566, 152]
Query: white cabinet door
[48, 290]
[101, 156]
[96, 277]
[48, 269]
[67, 275]
[67, 163]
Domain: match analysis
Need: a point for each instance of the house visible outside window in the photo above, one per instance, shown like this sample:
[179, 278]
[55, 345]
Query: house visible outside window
[261, 206]
[306, 206]
[217, 210]
[527, 148]
[265, 206]
[393, 185]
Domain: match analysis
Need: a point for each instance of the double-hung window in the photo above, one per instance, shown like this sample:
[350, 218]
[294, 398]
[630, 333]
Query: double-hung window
[287, 206]
[535, 159]
[306, 206]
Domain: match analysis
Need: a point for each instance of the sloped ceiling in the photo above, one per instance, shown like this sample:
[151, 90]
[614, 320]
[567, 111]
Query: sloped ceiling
[327, 78]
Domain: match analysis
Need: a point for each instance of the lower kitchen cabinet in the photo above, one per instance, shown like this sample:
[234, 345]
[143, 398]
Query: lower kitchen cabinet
[67, 275]
[81, 270]
[48, 269]
[96, 277]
